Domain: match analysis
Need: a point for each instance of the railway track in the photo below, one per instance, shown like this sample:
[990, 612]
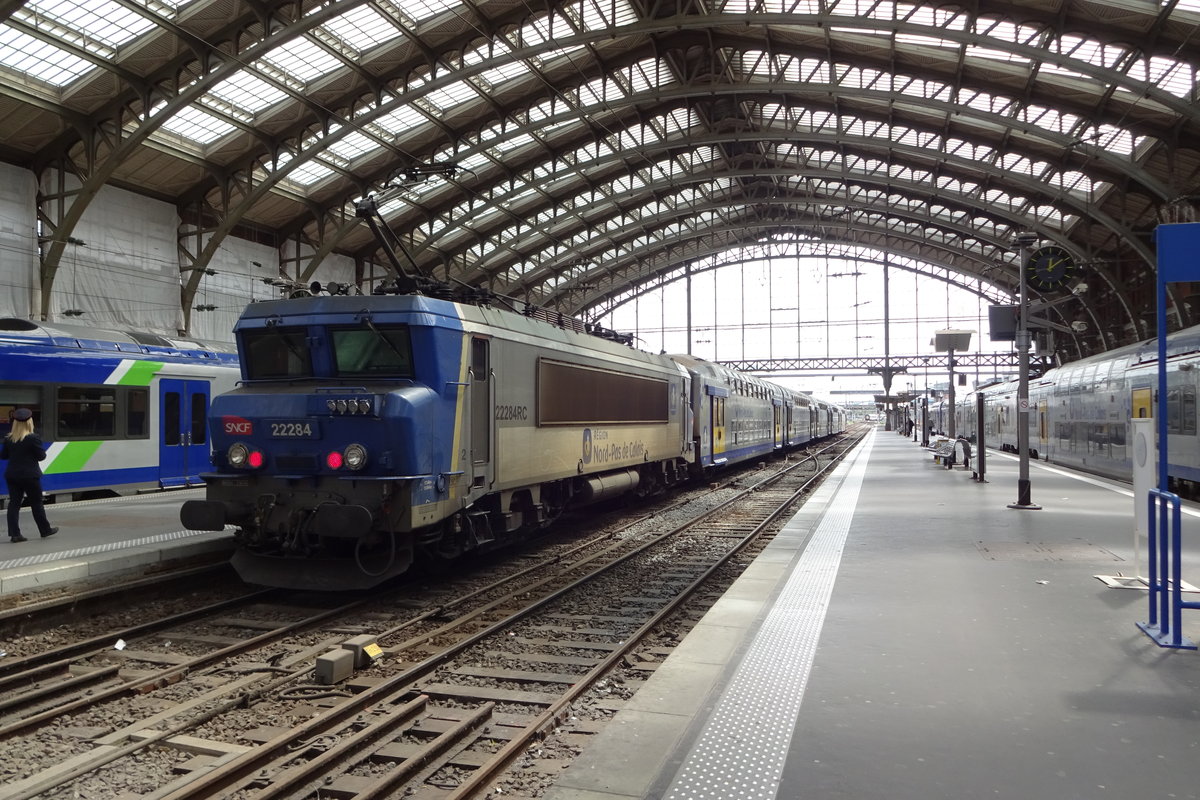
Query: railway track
[460, 688]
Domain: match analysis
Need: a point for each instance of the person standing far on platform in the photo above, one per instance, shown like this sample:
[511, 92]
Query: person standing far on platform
[22, 449]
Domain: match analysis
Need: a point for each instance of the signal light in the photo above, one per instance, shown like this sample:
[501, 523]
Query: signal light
[334, 460]
[256, 459]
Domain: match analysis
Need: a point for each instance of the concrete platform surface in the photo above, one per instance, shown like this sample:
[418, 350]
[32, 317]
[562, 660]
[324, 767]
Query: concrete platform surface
[909, 637]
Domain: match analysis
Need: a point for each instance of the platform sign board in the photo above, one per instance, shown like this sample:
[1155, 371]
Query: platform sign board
[1178, 245]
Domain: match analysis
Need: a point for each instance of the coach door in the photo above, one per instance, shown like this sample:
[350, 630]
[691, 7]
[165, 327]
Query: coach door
[481, 412]
[1141, 404]
[183, 431]
[717, 418]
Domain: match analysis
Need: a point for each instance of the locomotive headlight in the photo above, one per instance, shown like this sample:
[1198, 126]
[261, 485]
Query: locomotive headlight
[342, 405]
[238, 454]
[331, 405]
[355, 456]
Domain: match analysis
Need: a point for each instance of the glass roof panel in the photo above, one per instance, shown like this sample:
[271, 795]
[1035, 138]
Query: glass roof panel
[195, 125]
[505, 72]
[302, 58]
[309, 172]
[927, 40]
[450, 96]
[39, 60]
[353, 145]
[417, 10]
[1170, 75]
[103, 22]
[406, 117]
[247, 92]
[976, 51]
[362, 28]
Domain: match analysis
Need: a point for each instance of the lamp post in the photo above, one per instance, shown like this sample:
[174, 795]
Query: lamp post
[1024, 242]
[925, 406]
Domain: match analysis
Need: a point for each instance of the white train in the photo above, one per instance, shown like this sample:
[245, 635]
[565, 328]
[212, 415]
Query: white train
[1079, 413]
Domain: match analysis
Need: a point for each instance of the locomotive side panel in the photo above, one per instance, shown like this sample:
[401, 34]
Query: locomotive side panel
[568, 405]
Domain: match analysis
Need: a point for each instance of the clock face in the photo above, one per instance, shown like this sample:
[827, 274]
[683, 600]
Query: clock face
[1050, 267]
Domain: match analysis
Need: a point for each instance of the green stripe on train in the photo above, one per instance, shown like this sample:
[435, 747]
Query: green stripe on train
[73, 457]
[141, 373]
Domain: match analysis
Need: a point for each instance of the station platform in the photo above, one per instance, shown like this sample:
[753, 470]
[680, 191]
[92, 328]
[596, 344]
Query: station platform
[117, 538]
[910, 637]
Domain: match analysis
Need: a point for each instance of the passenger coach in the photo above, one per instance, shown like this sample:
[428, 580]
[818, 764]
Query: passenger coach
[120, 411]
[1079, 412]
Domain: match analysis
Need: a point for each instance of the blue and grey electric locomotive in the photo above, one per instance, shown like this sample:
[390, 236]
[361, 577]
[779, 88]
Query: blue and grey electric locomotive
[432, 419]
[370, 430]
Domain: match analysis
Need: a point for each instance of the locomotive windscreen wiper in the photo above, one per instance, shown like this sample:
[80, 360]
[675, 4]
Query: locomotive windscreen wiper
[287, 340]
[380, 335]
[265, 359]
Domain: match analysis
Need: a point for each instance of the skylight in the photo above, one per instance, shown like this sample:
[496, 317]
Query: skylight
[196, 125]
[39, 60]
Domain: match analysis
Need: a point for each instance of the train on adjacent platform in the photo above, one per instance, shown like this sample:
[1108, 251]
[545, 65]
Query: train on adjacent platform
[121, 411]
[370, 431]
[1079, 412]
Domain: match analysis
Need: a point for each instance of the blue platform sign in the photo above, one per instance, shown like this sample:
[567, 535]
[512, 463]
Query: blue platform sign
[1178, 252]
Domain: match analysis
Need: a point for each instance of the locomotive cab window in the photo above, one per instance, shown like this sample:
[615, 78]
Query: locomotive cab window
[372, 352]
[274, 353]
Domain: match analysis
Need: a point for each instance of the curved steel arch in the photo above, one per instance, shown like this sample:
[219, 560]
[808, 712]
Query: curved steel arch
[693, 22]
[126, 147]
[1139, 182]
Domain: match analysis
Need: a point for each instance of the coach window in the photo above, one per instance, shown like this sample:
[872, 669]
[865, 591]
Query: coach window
[14, 397]
[171, 433]
[86, 413]
[1181, 410]
[137, 414]
[199, 418]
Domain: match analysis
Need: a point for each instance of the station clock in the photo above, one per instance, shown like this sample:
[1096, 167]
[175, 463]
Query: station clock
[1050, 268]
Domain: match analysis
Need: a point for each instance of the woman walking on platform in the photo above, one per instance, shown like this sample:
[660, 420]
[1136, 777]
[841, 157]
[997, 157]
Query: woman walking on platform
[22, 449]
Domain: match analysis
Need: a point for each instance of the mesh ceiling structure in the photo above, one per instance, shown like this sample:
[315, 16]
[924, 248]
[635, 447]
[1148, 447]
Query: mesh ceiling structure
[575, 154]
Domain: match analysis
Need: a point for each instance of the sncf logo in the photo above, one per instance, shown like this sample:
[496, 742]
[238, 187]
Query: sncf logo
[236, 426]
